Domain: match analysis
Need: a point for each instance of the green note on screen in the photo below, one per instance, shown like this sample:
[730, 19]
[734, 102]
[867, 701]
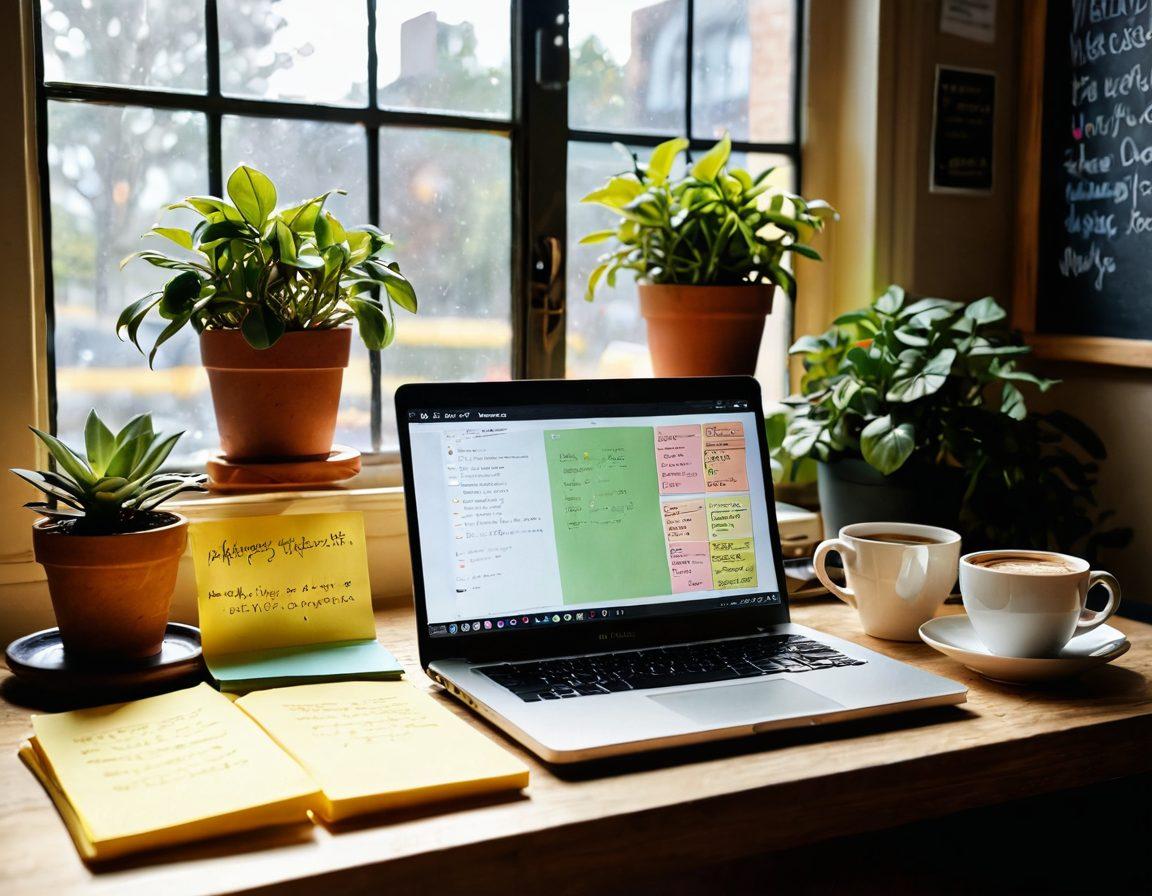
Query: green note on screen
[606, 510]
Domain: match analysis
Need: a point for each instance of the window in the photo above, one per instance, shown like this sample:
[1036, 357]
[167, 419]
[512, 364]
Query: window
[443, 126]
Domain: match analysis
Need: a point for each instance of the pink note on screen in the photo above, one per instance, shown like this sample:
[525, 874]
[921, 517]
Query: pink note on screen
[690, 566]
[725, 464]
[678, 459]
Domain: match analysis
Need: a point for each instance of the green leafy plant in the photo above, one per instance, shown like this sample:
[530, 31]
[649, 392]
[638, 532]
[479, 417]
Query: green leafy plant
[114, 485]
[931, 381]
[265, 272]
[713, 226]
[785, 467]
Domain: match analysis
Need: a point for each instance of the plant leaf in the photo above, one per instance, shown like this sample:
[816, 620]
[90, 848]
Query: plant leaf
[99, 443]
[262, 327]
[885, 445]
[911, 382]
[660, 162]
[253, 193]
[709, 166]
[985, 311]
[67, 459]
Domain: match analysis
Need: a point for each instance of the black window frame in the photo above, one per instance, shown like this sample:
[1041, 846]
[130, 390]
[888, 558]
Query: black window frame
[537, 129]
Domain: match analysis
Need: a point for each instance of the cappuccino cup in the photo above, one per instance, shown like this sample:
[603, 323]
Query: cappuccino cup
[898, 574]
[1031, 603]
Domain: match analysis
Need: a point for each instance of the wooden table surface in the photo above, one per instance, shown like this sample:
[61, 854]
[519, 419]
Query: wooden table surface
[593, 828]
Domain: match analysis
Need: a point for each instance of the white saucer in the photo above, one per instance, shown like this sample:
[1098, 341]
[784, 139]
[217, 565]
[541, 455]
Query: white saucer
[954, 637]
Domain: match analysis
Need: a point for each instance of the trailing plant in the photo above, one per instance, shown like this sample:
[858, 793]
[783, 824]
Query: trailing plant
[114, 485]
[266, 273]
[714, 225]
[931, 381]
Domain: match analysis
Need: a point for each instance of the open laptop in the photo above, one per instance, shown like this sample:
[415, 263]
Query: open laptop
[597, 568]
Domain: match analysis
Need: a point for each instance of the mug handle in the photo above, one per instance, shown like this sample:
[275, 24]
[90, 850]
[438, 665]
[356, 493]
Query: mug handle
[845, 551]
[1089, 619]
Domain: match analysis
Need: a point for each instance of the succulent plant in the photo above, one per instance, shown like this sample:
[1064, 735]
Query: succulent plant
[114, 485]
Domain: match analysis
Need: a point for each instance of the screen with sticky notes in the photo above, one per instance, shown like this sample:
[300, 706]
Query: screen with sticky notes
[549, 515]
[286, 600]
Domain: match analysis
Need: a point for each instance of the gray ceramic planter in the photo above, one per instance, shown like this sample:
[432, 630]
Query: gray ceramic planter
[853, 492]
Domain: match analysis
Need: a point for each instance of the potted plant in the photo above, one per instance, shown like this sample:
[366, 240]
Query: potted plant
[272, 295]
[914, 411]
[708, 250]
[110, 555]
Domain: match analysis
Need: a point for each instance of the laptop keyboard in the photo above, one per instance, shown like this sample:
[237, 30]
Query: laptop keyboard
[662, 667]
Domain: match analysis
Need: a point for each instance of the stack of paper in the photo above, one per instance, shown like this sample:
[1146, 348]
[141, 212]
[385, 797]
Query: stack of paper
[381, 745]
[168, 769]
[192, 764]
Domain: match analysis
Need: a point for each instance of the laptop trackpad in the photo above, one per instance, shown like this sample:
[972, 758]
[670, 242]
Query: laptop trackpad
[733, 704]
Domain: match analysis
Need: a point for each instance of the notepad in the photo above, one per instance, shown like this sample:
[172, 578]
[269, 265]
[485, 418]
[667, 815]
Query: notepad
[373, 746]
[286, 600]
[164, 770]
[194, 764]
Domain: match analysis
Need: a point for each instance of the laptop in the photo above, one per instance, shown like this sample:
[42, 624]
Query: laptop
[597, 568]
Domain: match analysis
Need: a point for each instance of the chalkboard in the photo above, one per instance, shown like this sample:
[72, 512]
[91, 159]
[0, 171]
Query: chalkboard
[962, 130]
[1093, 268]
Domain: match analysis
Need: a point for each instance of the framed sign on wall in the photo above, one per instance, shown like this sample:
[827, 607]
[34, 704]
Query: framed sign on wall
[1083, 279]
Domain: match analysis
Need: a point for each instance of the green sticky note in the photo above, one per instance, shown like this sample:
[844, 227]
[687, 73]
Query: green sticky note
[283, 666]
[606, 510]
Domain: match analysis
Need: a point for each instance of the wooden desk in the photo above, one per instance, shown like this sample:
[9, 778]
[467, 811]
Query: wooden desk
[599, 827]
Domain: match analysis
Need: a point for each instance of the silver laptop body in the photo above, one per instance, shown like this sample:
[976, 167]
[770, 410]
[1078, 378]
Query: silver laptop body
[574, 542]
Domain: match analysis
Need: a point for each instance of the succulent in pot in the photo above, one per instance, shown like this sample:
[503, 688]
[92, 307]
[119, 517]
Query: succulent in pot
[110, 554]
[273, 295]
[708, 249]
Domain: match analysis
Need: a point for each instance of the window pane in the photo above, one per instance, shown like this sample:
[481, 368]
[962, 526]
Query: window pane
[445, 198]
[627, 65]
[452, 55]
[111, 172]
[337, 157]
[297, 50]
[607, 337]
[744, 69]
[140, 43]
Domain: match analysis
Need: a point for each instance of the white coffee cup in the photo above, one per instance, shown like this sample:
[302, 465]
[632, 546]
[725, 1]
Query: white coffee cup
[895, 587]
[1031, 603]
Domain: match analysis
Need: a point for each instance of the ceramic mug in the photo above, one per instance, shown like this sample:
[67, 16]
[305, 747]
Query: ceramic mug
[896, 586]
[1031, 603]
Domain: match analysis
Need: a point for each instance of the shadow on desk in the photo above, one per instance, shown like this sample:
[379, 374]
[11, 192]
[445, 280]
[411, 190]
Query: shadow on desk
[1085, 841]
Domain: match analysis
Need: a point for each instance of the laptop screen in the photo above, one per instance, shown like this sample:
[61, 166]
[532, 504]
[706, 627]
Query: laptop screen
[558, 515]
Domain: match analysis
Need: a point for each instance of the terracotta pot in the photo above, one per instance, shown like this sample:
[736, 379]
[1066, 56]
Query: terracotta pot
[111, 593]
[705, 330]
[278, 402]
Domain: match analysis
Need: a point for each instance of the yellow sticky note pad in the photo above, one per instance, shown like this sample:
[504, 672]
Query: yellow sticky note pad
[164, 770]
[286, 600]
[282, 581]
[373, 745]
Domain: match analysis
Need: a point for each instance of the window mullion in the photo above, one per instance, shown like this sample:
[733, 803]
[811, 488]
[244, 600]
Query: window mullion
[214, 118]
[540, 165]
[372, 133]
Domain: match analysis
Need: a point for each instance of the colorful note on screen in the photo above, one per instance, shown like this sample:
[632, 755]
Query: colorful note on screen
[679, 460]
[725, 463]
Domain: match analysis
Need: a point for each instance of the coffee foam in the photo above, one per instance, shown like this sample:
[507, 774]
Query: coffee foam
[1026, 566]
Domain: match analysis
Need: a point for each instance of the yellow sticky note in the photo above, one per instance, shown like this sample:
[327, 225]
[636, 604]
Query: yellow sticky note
[164, 770]
[281, 581]
[374, 745]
